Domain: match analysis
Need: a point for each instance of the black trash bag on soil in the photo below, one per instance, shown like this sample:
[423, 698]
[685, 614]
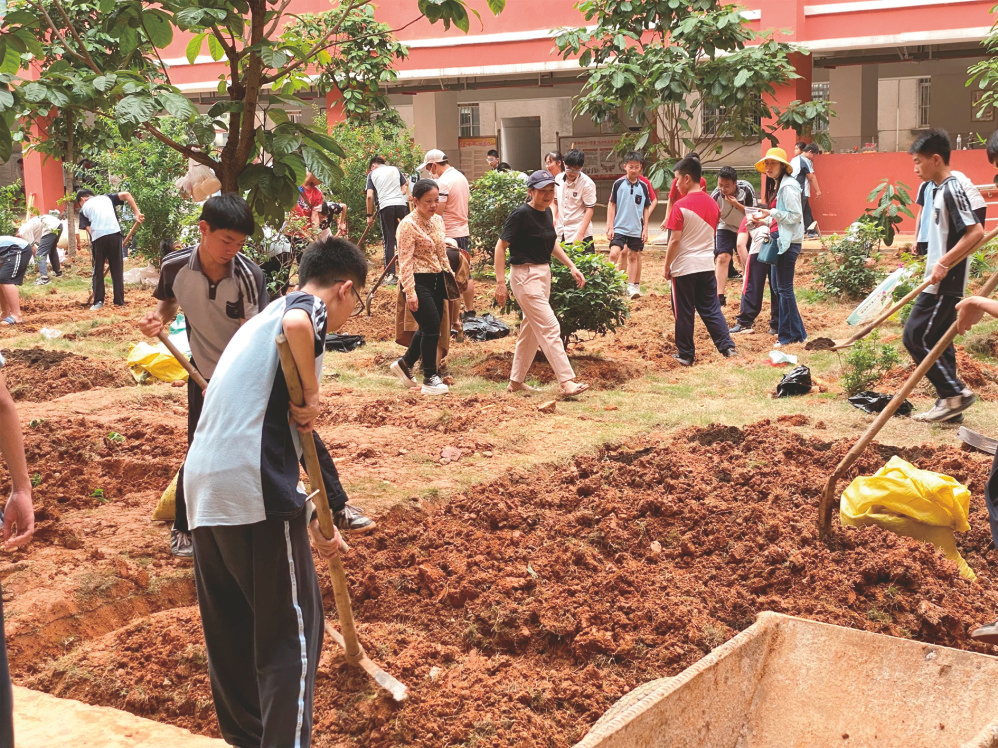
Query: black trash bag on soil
[797, 381]
[485, 327]
[874, 402]
[343, 343]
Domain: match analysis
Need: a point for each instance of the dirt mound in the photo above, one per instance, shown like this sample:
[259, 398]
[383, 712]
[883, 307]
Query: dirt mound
[601, 373]
[980, 376]
[518, 612]
[37, 374]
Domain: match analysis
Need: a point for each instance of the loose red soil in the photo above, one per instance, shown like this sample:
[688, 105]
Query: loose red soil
[37, 374]
[599, 372]
[520, 610]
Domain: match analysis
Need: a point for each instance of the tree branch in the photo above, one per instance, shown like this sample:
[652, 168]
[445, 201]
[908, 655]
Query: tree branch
[320, 45]
[278, 15]
[85, 57]
[229, 49]
[199, 156]
[72, 30]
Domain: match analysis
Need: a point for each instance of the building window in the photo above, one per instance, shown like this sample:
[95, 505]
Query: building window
[924, 101]
[711, 119]
[819, 92]
[470, 124]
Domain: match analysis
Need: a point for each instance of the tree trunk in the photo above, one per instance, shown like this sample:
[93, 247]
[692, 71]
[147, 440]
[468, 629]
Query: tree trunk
[68, 179]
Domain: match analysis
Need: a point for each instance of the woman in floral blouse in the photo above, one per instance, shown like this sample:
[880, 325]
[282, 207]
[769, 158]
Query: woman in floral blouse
[423, 261]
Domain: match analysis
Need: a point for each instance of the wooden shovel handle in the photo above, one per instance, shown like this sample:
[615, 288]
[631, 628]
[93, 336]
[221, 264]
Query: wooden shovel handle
[354, 652]
[184, 361]
[828, 497]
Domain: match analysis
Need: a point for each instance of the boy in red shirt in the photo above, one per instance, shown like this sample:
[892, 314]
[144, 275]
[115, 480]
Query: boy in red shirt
[689, 264]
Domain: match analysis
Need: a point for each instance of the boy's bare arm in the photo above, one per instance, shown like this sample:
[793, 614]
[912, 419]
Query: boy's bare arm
[966, 245]
[127, 197]
[671, 253]
[971, 310]
[301, 336]
[156, 320]
[19, 516]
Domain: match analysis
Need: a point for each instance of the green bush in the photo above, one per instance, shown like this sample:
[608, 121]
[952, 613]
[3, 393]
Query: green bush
[148, 169]
[866, 362]
[842, 271]
[906, 285]
[387, 137]
[11, 208]
[494, 195]
[600, 307]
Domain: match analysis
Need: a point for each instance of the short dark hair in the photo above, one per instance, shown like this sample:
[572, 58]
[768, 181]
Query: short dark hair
[230, 212]
[80, 194]
[992, 147]
[503, 166]
[575, 158]
[932, 143]
[330, 260]
[801, 145]
[727, 172]
[165, 247]
[812, 148]
[694, 155]
[493, 152]
[376, 159]
[423, 186]
[690, 167]
[634, 156]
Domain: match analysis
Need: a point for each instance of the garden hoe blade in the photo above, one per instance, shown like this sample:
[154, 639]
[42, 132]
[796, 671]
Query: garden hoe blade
[376, 286]
[352, 649]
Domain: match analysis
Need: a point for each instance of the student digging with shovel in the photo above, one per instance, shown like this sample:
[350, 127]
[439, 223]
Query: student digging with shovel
[219, 289]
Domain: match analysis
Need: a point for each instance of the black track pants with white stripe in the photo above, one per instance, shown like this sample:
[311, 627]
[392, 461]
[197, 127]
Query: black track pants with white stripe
[930, 317]
[261, 610]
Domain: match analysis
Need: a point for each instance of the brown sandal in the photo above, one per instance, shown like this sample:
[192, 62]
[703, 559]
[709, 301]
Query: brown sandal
[578, 389]
[520, 387]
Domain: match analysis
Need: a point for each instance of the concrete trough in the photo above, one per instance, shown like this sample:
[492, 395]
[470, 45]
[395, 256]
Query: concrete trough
[791, 683]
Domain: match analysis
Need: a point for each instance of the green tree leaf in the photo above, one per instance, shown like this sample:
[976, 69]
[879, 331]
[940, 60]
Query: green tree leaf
[158, 28]
[194, 47]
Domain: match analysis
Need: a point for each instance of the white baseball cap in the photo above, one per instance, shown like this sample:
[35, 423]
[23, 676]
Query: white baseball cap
[432, 157]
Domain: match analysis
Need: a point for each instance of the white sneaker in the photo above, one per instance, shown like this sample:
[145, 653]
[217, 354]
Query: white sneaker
[434, 386]
[947, 408]
[403, 373]
[97, 307]
[634, 290]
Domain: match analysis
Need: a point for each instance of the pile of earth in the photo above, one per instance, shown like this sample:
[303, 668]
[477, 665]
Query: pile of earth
[601, 373]
[520, 610]
[37, 374]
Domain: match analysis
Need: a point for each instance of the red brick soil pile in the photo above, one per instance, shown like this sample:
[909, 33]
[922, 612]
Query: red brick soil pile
[521, 610]
[37, 375]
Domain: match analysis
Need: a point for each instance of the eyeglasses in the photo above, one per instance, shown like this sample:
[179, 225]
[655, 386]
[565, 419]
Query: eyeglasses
[359, 306]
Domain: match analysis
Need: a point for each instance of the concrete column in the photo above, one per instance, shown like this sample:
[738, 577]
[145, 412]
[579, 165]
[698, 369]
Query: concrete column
[335, 113]
[798, 89]
[435, 122]
[44, 180]
[853, 91]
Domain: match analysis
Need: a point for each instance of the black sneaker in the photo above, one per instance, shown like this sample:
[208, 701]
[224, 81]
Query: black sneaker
[58, 274]
[181, 544]
[740, 329]
[42, 281]
[730, 352]
[957, 419]
[434, 386]
[352, 519]
[773, 330]
[390, 280]
[734, 273]
[683, 361]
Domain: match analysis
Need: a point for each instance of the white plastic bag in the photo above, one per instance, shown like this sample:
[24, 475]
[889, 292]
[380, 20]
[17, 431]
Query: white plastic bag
[879, 299]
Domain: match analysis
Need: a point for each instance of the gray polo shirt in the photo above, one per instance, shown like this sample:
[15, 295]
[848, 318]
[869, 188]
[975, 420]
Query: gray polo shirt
[214, 312]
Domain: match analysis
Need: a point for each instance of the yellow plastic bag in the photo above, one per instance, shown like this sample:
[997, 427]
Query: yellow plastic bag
[916, 503]
[146, 360]
[166, 509]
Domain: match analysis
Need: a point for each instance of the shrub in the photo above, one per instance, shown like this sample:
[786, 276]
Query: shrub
[148, 169]
[494, 195]
[842, 271]
[892, 206]
[866, 362]
[599, 307]
[11, 208]
[388, 137]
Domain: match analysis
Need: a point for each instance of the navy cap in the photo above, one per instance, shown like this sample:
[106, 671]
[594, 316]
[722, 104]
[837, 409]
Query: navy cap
[540, 179]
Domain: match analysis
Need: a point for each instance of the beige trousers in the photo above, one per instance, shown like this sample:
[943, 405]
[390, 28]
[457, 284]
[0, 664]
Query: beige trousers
[531, 286]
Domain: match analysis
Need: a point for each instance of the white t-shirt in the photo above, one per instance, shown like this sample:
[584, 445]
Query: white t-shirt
[387, 181]
[98, 215]
[454, 194]
[573, 201]
[798, 163]
[32, 231]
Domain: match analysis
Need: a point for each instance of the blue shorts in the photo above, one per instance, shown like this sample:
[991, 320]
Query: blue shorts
[725, 242]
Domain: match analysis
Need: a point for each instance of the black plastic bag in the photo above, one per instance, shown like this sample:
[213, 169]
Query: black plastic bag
[343, 343]
[797, 381]
[874, 402]
[485, 327]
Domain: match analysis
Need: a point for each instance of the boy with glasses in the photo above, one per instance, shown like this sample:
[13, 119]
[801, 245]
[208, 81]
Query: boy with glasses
[575, 201]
